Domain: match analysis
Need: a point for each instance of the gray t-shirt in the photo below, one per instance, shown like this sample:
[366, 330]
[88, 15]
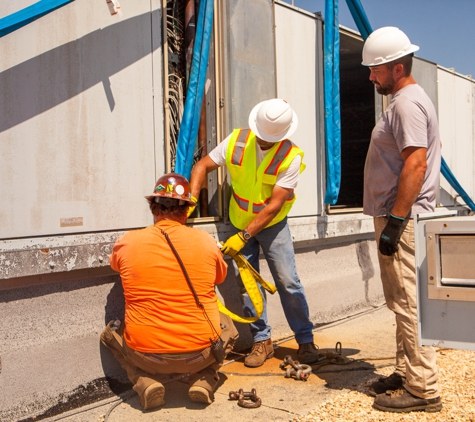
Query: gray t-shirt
[409, 121]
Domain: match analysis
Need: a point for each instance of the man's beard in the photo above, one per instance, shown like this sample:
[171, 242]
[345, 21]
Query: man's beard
[386, 87]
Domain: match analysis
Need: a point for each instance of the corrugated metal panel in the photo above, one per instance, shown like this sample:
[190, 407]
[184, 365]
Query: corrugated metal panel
[299, 81]
[77, 120]
[456, 121]
[250, 58]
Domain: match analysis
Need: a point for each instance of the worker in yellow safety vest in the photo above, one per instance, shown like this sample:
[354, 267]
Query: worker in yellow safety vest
[264, 166]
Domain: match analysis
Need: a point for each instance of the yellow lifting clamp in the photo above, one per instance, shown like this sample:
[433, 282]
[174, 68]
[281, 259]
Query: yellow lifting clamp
[250, 277]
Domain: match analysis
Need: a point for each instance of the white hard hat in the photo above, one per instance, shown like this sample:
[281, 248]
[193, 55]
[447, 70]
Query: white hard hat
[385, 45]
[273, 120]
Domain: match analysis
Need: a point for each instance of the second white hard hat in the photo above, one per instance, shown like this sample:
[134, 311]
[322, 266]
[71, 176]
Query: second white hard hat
[385, 45]
[273, 120]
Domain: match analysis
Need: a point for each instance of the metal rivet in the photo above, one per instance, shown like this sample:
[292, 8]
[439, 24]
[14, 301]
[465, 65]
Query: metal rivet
[101, 259]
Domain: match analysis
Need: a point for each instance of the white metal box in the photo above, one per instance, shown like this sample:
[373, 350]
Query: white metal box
[445, 262]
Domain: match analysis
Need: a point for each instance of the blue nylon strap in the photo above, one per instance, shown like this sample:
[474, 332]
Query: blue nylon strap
[194, 95]
[331, 68]
[27, 15]
[445, 170]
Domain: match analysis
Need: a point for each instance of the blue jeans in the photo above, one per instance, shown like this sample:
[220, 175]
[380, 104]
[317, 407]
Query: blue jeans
[276, 243]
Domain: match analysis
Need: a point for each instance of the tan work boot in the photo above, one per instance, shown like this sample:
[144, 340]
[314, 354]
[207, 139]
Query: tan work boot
[200, 394]
[307, 353]
[152, 397]
[261, 351]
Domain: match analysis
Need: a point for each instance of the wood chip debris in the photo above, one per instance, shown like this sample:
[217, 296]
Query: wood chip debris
[456, 384]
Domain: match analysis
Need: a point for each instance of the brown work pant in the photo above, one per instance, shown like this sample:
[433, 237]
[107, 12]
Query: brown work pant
[398, 275]
[144, 369]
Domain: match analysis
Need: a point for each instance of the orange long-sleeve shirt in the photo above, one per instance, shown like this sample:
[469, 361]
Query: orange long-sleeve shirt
[161, 314]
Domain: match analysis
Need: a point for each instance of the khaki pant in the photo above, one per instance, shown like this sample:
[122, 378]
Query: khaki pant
[144, 369]
[417, 364]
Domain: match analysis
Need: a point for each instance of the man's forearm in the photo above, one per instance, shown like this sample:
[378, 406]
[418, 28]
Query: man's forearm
[409, 188]
[263, 218]
[261, 221]
[199, 172]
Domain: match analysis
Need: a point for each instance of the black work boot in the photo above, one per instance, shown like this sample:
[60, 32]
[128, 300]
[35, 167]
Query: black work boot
[261, 351]
[391, 383]
[403, 401]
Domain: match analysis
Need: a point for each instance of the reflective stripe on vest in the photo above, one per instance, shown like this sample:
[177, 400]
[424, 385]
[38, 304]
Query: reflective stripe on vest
[284, 150]
[242, 203]
[240, 144]
[257, 208]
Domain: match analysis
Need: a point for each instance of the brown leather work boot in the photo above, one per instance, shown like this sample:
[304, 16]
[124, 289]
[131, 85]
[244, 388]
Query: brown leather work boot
[307, 353]
[403, 401]
[261, 351]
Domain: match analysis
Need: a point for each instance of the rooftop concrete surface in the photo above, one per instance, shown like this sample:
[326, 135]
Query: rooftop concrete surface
[367, 345]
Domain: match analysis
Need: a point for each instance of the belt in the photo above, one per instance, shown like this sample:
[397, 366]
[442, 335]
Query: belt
[181, 358]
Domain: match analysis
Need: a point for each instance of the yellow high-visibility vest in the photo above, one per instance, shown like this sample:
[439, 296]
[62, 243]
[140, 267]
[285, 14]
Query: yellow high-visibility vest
[252, 185]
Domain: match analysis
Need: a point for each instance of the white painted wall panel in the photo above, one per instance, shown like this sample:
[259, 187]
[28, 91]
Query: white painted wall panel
[77, 135]
[456, 120]
[298, 36]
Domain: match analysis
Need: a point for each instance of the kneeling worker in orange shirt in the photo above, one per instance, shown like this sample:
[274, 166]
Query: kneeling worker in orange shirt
[172, 323]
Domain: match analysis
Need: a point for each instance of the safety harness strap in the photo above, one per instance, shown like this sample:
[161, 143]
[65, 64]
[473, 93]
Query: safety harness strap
[250, 277]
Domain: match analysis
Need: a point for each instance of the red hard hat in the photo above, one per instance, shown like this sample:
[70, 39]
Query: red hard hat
[173, 186]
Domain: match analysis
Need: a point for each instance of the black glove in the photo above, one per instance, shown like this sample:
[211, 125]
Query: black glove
[388, 242]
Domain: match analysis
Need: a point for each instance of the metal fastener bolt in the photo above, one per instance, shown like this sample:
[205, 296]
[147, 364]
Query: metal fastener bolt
[101, 259]
[51, 265]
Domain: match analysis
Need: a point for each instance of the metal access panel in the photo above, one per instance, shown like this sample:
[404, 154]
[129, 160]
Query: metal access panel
[249, 59]
[299, 64]
[425, 74]
[80, 112]
[445, 251]
[457, 132]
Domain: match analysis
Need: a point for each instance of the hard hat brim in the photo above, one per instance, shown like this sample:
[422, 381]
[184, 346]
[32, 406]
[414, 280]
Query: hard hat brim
[150, 198]
[266, 136]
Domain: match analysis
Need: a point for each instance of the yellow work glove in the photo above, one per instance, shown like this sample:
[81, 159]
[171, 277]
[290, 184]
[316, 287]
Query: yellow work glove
[234, 244]
[191, 208]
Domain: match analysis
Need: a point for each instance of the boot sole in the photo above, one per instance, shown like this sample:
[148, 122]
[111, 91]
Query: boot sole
[431, 408]
[199, 395]
[153, 396]
[260, 364]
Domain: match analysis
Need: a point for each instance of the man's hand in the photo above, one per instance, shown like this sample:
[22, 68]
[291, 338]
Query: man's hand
[388, 242]
[191, 208]
[233, 245]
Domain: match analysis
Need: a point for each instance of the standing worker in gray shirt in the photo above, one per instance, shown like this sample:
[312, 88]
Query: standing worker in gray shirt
[401, 179]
